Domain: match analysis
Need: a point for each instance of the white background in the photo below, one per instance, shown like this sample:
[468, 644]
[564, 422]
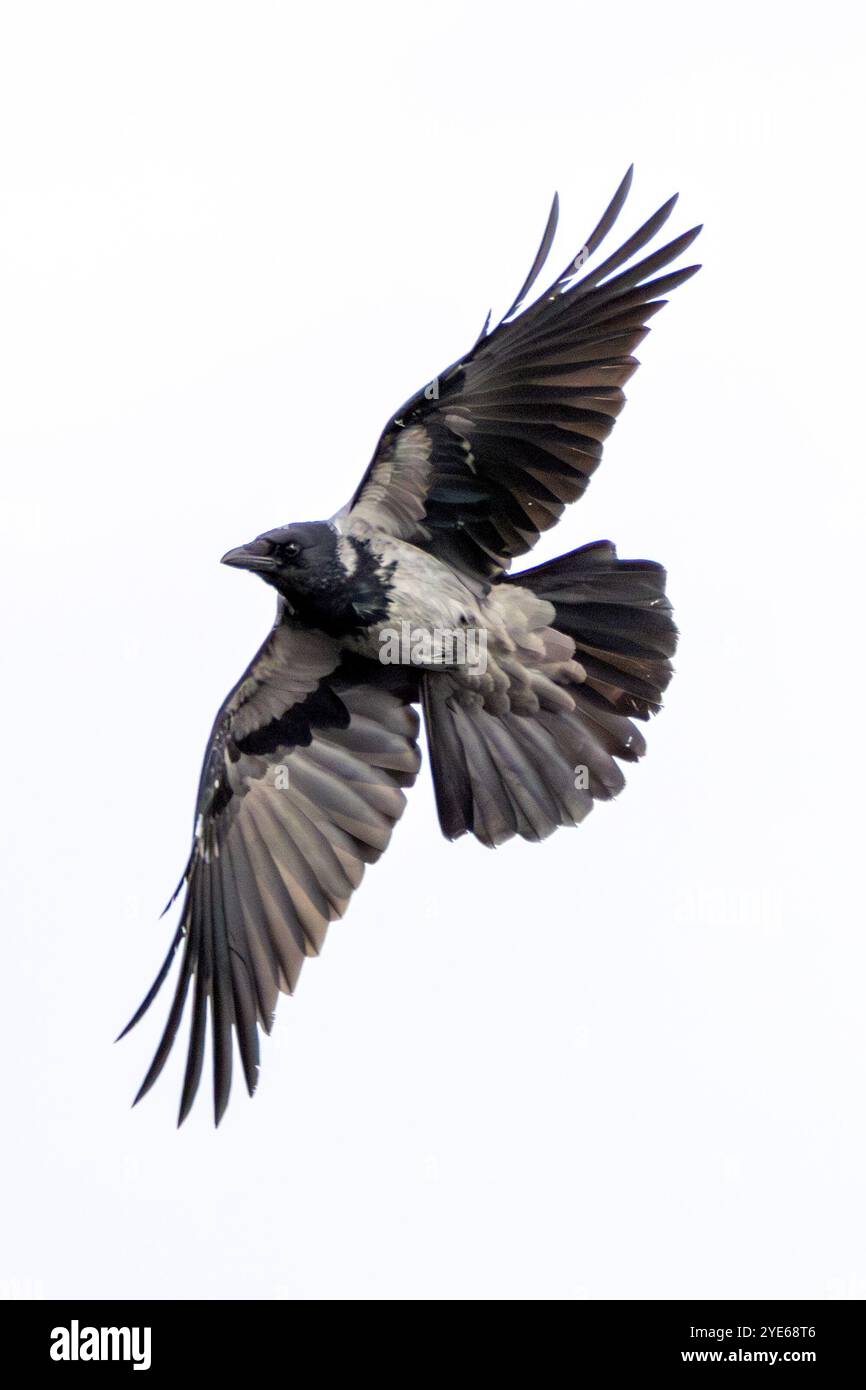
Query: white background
[629, 1062]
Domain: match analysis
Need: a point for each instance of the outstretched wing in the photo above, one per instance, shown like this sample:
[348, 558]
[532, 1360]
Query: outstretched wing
[301, 787]
[483, 459]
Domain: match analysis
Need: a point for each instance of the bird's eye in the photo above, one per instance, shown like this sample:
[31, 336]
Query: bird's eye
[291, 550]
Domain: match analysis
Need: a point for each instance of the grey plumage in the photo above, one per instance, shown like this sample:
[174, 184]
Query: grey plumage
[311, 753]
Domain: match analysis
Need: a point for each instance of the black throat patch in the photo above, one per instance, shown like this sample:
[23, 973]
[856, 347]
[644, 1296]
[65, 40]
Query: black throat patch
[339, 601]
[371, 585]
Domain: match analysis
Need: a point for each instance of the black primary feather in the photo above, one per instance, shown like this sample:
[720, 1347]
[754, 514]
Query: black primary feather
[307, 763]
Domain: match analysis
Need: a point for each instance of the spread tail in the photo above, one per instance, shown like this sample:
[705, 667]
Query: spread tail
[506, 774]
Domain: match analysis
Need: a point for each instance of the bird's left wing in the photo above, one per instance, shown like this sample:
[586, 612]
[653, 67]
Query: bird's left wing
[484, 458]
[301, 787]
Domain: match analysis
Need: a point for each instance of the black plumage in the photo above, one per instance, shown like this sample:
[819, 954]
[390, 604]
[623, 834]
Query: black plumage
[310, 755]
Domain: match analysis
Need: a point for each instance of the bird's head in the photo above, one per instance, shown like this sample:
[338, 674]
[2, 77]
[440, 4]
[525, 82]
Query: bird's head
[299, 561]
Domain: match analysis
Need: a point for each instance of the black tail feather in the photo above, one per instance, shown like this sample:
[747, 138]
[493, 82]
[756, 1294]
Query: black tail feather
[500, 775]
[620, 619]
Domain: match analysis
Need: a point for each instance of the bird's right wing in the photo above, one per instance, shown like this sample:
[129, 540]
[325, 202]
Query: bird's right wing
[301, 787]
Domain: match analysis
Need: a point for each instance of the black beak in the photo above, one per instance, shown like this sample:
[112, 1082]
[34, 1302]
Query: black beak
[258, 556]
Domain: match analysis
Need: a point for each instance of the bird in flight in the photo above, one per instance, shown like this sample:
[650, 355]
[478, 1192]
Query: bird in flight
[309, 757]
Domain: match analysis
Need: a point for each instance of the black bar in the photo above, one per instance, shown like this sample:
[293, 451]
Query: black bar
[802, 1338]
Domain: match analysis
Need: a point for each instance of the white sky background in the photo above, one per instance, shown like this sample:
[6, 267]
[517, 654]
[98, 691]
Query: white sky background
[630, 1062]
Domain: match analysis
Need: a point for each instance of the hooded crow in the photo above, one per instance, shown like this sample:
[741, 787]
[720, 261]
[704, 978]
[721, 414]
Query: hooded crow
[308, 760]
